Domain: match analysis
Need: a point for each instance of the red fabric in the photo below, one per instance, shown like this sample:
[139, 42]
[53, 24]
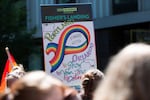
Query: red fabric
[8, 67]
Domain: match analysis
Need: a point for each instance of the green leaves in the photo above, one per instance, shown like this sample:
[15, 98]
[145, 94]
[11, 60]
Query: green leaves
[13, 30]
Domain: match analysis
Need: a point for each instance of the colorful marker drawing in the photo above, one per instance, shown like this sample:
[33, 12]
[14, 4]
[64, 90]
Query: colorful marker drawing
[61, 49]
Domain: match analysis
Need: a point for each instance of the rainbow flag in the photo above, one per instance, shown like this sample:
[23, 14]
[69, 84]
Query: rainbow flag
[8, 67]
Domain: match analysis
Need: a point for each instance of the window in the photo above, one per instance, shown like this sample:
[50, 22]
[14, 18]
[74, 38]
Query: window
[124, 6]
[141, 35]
[65, 1]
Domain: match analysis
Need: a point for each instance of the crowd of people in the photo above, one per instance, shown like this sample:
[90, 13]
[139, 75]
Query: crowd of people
[127, 77]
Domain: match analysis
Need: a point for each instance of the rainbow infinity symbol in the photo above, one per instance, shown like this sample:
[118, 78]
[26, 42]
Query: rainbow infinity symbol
[60, 49]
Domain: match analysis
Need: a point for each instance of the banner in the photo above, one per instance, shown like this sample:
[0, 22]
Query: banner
[10, 63]
[68, 41]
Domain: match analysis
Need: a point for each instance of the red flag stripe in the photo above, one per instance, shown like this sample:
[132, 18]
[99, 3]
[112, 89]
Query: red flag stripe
[8, 67]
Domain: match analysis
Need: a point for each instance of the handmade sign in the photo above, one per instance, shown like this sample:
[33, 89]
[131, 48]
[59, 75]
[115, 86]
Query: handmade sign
[68, 41]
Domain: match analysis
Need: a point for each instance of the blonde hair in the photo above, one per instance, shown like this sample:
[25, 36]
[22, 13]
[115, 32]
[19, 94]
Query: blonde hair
[36, 85]
[128, 75]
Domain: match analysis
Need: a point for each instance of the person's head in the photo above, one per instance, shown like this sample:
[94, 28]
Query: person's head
[37, 85]
[90, 80]
[127, 76]
[16, 73]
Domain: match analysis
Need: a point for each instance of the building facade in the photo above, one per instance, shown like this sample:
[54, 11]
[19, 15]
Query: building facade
[116, 22]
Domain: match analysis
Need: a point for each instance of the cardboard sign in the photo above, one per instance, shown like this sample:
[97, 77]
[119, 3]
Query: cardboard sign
[68, 41]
